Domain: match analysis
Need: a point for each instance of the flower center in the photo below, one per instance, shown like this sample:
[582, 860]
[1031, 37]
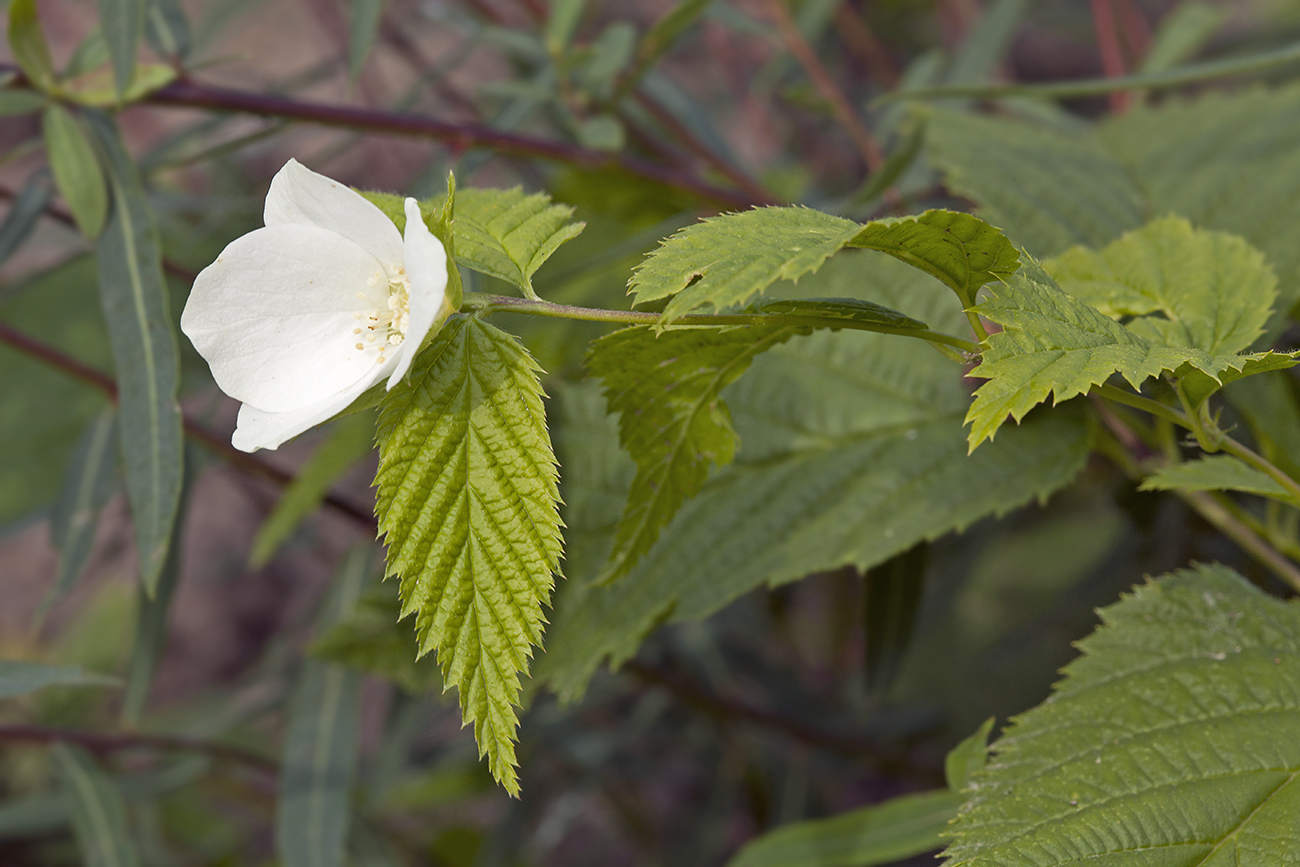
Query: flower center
[385, 328]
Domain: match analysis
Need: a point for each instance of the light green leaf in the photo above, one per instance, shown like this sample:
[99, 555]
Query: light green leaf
[351, 439]
[1212, 291]
[20, 102]
[371, 639]
[1216, 473]
[76, 169]
[27, 42]
[89, 481]
[25, 211]
[1182, 34]
[133, 295]
[561, 24]
[1182, 709]
[1053, 343]
[20, 678]
[852, 447]
[98, 810]
[99, 90]
[467, 497]
[880, 834]
[725, 260]
[320, 742]
[967, 757]
[962, 251]
[672, 420]
[365, 25]
[508, 234]
[123, 23]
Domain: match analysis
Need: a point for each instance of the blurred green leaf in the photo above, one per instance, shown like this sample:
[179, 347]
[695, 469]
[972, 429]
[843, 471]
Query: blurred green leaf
[123, 23]
[76, 169]
[27, 42]
[601, 132]
[98, 810]
[88, 482]
[882, 833]
[1182, 34]
[20, 678]
[892, 594]
[661, 36]
[20, 102]
[1216, 473]
[967, 757]
[561, 24]
[366, 15]
[91, 54]
[349, 440]
[370, 638]
[133, 294]
[25, 212]
[168, 29]
[610, 53]
[320, 741]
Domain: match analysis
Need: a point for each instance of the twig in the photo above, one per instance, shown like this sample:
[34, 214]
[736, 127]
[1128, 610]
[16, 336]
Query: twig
[106, 742]
[1228, 525]
[1112, 59]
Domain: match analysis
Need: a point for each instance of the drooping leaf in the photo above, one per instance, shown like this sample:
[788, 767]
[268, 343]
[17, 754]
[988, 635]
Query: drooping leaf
[371, 639]
[1053, 343]
[133, 295]
[725, 260]
[88, 482]
[1173, 740]
[838, 467]
[349, 441]
[1216, 473]
[561, 24]
[365, 25]
[27, 42]
[880, 834]
[25, 212]
[123, 24]
[320, 741]
[467, 498]
[76, 169]
[98, 810]
[508, 234]
[20, 678]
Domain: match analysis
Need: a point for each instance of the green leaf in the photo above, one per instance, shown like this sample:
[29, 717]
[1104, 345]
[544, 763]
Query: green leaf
[853, 448]
[467, 498]
[20, 102]
[320, 742]
[1053, 343]
[1270, 409]
[1216, 473]
[725, 260]
[76, 169]
[123, 23]
[880, 834]
[98, 810]
[892, 594]
[962, 251]
[25, 211]
[661, 36]
[672, 422]
[1182, 709]
[89, 481]
[27, 42]
[366, 15]
[1182, 34]
[967, 757]
[167, 29]
[133, 295]
[349, 441]
[848, 309]
[371, 639]
[561, 24]
[508, 234]
[20, 678]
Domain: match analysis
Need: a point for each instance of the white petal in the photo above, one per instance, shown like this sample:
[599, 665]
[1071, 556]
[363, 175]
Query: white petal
[275, 314]
[426, 268]
[302, 197]
[257, 429]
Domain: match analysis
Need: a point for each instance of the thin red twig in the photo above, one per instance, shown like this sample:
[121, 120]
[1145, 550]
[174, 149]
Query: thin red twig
[1112, 57]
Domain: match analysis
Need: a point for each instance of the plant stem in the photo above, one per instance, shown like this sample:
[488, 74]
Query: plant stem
[104, 742]
[1226, 523]
[508, 303]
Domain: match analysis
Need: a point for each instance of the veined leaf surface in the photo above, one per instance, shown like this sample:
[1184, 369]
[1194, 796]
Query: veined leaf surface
[1216, 473]
[1173, 740]
[508, 234]
[467, 500]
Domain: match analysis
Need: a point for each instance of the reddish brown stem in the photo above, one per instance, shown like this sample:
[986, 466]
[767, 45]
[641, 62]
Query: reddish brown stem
[1112, 58]
[105, 742]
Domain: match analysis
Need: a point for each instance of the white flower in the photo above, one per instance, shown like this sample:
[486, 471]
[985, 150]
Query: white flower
[299, 318]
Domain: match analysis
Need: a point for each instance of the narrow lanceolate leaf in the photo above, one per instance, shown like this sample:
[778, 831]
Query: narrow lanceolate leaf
[24, 213]
[660, 38]
[467, 499]
[1216, 473]
[167, 29]
[880, 834]
[365, 24]
[99, 817]
[87, 484]
[76, 169]
[673, 421]
[123, 23]
[27, 42]
[371, 639]
[1053, 343]
[1173, 740]
[320, 742]
[508, 234]
[20, 678]
[962, 251]
[133, 294]
[350, 439]
[725, 260]
[20, 102]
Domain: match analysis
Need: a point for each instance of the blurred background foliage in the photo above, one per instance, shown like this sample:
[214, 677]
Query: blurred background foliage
[792, 703]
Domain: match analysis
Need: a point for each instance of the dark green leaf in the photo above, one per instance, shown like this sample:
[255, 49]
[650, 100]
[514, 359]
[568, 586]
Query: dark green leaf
[366, 15]
[27, 42]
[561, 24]
[98, 810]
[20, 102]
[320, 742]
[167, 29]
[1268, 405]
[20, 678]
[123, 23]
[967, 757]
[76, 169]
[371, 639]
[892, 594]
[134, 298]
[467, 500]
[508, 234]
[25, 212]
